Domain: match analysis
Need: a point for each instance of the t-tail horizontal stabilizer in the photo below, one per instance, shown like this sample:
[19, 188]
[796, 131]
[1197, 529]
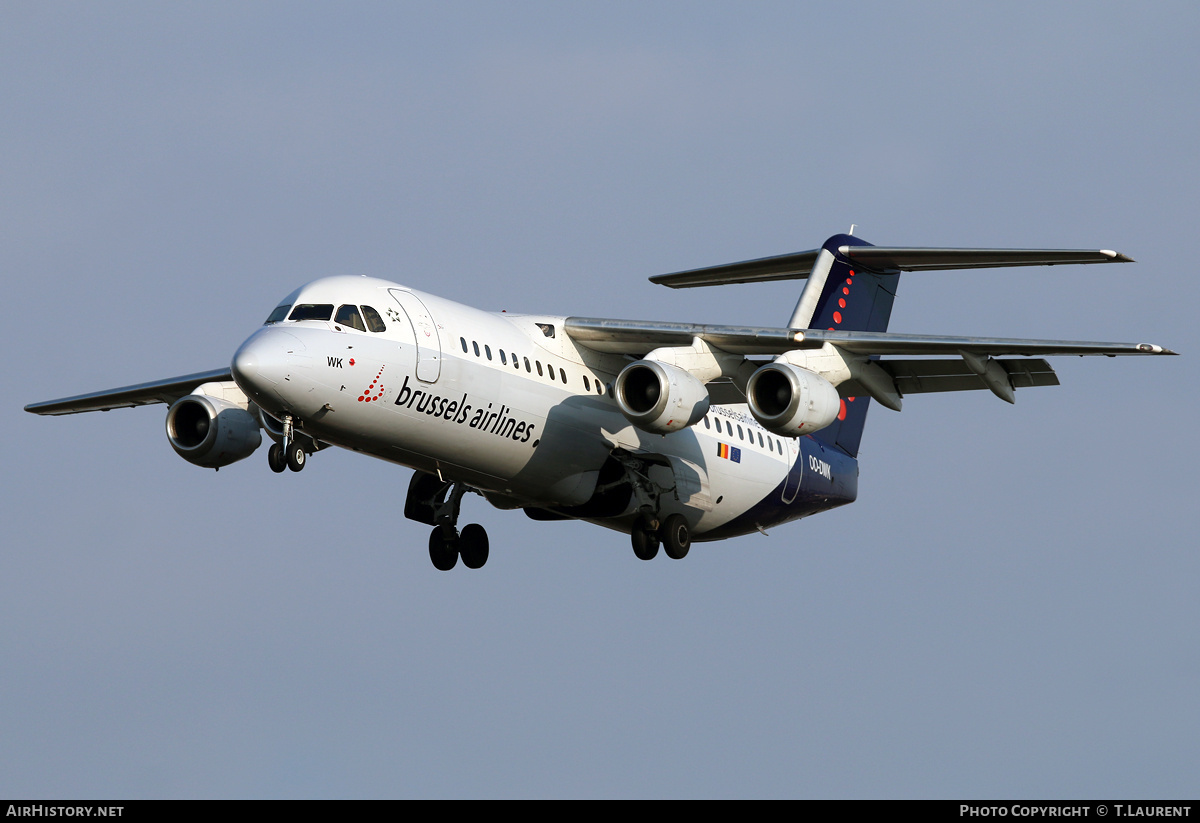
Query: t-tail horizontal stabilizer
[798, 265]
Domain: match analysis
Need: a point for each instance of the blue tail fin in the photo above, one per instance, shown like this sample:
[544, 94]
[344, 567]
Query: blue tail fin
[852, 300]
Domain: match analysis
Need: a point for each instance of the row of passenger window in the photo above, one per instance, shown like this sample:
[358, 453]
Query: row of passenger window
[510, 357]
[770, 443]
[347, 315]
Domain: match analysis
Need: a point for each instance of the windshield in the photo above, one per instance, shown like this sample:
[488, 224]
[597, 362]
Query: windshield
[312, 311]
[278, 315]
[348, 316]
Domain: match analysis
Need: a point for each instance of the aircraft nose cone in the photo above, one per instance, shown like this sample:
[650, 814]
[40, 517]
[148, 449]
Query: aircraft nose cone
[264, 359]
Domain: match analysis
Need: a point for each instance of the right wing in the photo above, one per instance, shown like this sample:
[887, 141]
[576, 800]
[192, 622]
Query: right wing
[637, 338]
[959, 364]
[919, 377]
[143, 394]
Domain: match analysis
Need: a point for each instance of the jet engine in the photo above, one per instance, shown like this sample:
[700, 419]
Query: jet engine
[660, 398]
[211, 432]
[791, 401]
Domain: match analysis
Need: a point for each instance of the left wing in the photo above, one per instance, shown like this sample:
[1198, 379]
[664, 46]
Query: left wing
[143, 394]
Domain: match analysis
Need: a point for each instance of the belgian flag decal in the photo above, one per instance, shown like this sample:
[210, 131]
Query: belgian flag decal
[729, 452]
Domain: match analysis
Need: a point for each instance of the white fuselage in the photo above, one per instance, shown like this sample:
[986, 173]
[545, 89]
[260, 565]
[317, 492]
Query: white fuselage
[508, 404]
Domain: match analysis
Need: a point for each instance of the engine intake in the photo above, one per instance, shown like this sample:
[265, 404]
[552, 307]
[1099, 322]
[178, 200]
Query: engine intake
[211, 432]
[660, 398]
[791, 401]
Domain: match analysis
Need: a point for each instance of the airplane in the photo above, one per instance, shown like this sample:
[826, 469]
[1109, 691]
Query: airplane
[668, 432]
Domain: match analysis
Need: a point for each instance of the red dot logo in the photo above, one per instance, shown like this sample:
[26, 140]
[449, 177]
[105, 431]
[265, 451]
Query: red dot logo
[367, 395]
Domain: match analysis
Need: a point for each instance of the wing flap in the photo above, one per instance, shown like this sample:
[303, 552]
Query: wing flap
[925, 376]
[142, 394]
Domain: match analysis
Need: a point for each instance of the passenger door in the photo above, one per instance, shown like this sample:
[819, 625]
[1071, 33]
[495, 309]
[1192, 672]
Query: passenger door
[429, 343]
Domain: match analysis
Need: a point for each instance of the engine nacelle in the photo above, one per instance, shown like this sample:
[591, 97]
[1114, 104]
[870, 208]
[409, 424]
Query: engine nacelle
[791, 401]
[660, 398]
[211, 432]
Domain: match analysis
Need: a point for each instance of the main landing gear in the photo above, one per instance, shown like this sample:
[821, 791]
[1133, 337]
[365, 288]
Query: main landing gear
[672, 534]
[649, 532]
[289, 454]
[436, 502]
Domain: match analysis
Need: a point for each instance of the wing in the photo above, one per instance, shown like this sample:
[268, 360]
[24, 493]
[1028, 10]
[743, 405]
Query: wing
[918, 377]
[960, 365]
[143, 394]
[797, 266]
[637, 338]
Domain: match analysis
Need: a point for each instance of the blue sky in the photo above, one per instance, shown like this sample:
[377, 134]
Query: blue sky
[1007, 611]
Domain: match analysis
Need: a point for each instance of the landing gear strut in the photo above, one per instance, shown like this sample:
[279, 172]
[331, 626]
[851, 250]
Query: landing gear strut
[436, 502]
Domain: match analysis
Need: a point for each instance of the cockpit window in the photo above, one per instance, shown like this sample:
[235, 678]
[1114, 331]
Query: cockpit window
[374, 321]
[279, 313]
[312, 311]
[348, 316]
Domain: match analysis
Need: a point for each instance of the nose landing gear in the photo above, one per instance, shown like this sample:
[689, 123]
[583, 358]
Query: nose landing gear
[289, 454]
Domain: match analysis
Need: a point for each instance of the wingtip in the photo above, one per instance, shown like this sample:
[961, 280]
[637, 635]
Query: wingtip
[1116, 256]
